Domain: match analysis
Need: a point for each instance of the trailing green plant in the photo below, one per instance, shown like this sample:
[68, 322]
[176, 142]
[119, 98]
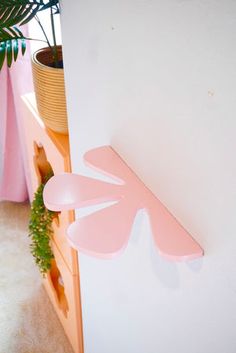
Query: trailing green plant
[40, 230]
[14, 14]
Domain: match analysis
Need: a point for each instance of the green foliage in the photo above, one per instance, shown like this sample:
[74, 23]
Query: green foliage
[14, 13]
[40, 231]
[9, 45]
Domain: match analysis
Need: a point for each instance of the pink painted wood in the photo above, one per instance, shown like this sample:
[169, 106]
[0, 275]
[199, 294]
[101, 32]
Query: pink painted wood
[105, 233]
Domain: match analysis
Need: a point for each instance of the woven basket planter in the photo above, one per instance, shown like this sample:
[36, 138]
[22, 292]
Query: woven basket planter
[50, 90]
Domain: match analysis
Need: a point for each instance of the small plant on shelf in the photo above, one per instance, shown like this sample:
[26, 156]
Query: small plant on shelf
[40, 230]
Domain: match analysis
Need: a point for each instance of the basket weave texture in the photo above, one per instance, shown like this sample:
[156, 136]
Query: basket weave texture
[49, 89]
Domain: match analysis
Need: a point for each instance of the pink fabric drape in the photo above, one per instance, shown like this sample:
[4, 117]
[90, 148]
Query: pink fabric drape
[14, 82]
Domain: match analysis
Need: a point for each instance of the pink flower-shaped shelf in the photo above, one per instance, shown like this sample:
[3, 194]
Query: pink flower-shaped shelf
[106, 232]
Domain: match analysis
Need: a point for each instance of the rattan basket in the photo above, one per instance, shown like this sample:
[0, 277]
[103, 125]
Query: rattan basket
[50, 90]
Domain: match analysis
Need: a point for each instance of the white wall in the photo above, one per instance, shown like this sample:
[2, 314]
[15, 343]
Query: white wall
[157, 80]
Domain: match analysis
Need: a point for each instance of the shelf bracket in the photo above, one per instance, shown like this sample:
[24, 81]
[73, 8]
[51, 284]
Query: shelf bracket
[105, 233]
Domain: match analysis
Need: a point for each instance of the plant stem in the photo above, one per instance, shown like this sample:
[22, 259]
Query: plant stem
[44, 33]
[54, 49]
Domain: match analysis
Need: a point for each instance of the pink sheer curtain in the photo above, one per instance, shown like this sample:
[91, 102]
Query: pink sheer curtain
[14, 82]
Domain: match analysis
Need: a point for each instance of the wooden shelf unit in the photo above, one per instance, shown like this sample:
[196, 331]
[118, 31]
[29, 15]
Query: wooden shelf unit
[44, 149]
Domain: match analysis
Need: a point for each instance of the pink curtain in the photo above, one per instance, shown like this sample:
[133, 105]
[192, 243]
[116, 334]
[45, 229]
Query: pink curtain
[14, 82]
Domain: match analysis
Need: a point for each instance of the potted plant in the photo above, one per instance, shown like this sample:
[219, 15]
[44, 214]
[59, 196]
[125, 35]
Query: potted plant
[40, 229]
[47, 63]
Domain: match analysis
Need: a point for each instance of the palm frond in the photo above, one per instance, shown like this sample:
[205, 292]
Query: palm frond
[10, 40]
[19, 12]
[49, 4]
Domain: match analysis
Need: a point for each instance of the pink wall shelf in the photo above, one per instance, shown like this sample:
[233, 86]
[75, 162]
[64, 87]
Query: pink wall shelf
[105, 233]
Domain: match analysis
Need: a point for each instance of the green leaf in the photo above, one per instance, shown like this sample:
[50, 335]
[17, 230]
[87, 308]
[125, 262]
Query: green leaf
[6, 14]
[9, 53]
[13, 12]
[23, 42]
[23, 46]
[9, 44]
[15, 48]
[2, 54]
